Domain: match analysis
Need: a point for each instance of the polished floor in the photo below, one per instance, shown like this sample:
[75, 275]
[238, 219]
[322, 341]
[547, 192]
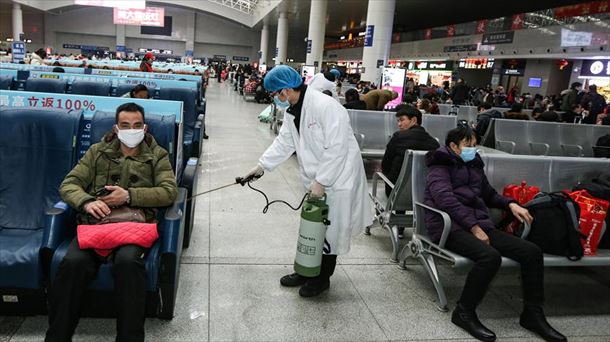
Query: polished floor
[229, 282]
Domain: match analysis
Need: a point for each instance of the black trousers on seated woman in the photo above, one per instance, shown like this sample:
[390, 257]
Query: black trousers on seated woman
[487, 260]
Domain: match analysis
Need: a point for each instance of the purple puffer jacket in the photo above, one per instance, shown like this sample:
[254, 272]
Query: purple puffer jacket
[461, 190]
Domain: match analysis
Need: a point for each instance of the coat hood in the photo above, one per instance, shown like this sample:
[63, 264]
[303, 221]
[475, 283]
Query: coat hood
[445, 156]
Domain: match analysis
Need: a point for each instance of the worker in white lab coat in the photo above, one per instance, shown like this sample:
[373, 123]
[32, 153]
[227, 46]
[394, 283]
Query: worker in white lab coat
[325, 81]
[317, 128]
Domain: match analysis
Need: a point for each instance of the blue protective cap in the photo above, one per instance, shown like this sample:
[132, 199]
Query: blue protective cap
[282, 77]
[336, 72]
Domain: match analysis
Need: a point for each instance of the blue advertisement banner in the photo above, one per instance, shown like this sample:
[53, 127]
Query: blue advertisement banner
[28, 67]
[153, 75]
[116, 81]
[9, 73]
[368, 36]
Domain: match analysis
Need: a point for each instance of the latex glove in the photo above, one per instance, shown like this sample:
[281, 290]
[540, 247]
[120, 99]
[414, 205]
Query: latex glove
[316, 189]
[255, 173]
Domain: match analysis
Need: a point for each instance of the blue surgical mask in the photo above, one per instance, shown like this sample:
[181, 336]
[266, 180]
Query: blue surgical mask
[468, 153]
[279, 103]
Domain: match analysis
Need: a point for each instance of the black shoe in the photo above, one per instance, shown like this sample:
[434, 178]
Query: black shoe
[314, 287]
[401, 232]
[468, 320]
[293, 280]
[205, 136]
[533, 320]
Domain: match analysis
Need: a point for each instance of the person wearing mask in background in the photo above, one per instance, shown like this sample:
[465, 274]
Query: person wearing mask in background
[596, 104]
[486, 114]
[515, 113]
[37, 58]
[140, 91]
[378, 98]
[324, 81]
[459, 92]
[352, 100]
[147, 61]
[456, 184]
[410, 136]
[424, 106]
[318, 129]
[570, 97]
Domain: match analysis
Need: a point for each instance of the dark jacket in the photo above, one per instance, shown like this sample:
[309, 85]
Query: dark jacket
[483, 121]
[459, 93]
[516, 115]
[415, 138]
[148, 176]
[358, 104]
[461, 190]
[569, 100]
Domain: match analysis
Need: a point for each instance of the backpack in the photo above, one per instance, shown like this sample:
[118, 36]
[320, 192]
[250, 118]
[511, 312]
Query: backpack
[602, 147]
[555, 228]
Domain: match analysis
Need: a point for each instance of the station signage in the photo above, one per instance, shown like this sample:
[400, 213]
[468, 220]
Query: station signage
[18, 49]
[426, 65]
[595, 68]
[150, 16]
[476, 63]
[498, 38]
[513, 67]
[460, 48]
[368, 35]
[241, 58]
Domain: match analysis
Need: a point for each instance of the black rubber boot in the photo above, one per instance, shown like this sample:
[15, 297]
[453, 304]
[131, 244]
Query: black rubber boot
[315, 286]
[533, 319]
[467, 319]
[292, 280]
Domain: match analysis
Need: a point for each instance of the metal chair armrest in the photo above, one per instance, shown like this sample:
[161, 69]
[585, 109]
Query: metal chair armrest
[446, 222]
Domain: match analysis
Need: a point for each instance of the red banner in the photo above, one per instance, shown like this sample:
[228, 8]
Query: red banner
[428, 34]
[450, 30]
[518, 20]
[582, 9]
[481, 26]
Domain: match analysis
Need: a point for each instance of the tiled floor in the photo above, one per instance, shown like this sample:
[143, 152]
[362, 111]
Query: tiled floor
[229, 283]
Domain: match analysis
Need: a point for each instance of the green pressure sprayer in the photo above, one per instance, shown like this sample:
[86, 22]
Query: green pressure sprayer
[312, 230]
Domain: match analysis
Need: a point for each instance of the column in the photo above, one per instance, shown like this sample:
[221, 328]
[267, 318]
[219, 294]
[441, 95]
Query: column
[317, 30]
[120, 40]
[17, 21]
[379, 22]
[190, 34]
[264, 44]
[281, 45]
[50, 36]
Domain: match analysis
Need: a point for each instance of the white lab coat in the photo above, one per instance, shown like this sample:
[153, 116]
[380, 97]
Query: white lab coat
[36, 60]
[328, 153]
[320, 83]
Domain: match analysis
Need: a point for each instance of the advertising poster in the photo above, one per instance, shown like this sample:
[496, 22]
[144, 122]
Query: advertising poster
[308, 71]
[393, 79]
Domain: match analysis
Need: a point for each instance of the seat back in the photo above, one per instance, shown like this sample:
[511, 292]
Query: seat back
[513, 131]
[188, 98]
[567, 172]
[90, 88]
[401, 198]
[419, 174]
[45, 85]
[541, 133]
[6, 82]
[37, 151]
[577, 135]
[438, 125]
[161, 127]
[504, 169]
[374, 126]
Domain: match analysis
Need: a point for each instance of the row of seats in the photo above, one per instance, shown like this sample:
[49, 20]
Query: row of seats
[544, 138]
[469, 113]
[404, 207]
[373, 129]
[37, 149]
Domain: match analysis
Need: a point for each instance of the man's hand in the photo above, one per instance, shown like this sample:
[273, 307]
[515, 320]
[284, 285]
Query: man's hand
[522, 214]
[97, 209]
[117, 197]
[480, 234]
[317, 189]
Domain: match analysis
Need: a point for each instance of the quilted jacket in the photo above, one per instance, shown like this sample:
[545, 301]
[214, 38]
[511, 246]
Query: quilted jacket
[148, 176]
[106, 237]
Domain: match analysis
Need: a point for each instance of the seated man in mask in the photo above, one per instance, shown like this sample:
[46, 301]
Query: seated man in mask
[127, 168]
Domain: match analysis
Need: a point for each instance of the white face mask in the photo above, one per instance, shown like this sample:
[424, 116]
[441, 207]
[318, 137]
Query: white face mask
[131, 137]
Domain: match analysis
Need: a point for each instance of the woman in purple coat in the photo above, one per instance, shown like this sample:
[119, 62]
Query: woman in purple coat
[456, 184]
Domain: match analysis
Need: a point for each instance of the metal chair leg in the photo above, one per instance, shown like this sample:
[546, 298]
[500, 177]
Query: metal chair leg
[395, 244]
[427, 261]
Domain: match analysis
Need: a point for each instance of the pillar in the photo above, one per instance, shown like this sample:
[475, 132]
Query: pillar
[317, 30]
[281, 44]
[17, 21]
[264, 44]
[190, 34]
[379, 22]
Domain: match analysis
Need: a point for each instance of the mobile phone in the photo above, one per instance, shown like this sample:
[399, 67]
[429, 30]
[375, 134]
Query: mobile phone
[102, 192]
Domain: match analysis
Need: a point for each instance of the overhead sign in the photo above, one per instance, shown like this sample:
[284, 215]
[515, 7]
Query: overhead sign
[137, 4]
[393, 79]
[18, 49]
[425, 65]
[460, 48]
[368, 36]
[574, 38]
[220, 57]
[498, 38]
[476, 63]
[595, 67]
[241, 58]
[150, 16]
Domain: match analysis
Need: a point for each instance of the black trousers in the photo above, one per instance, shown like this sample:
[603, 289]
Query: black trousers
[77, 270]
[487, 260]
